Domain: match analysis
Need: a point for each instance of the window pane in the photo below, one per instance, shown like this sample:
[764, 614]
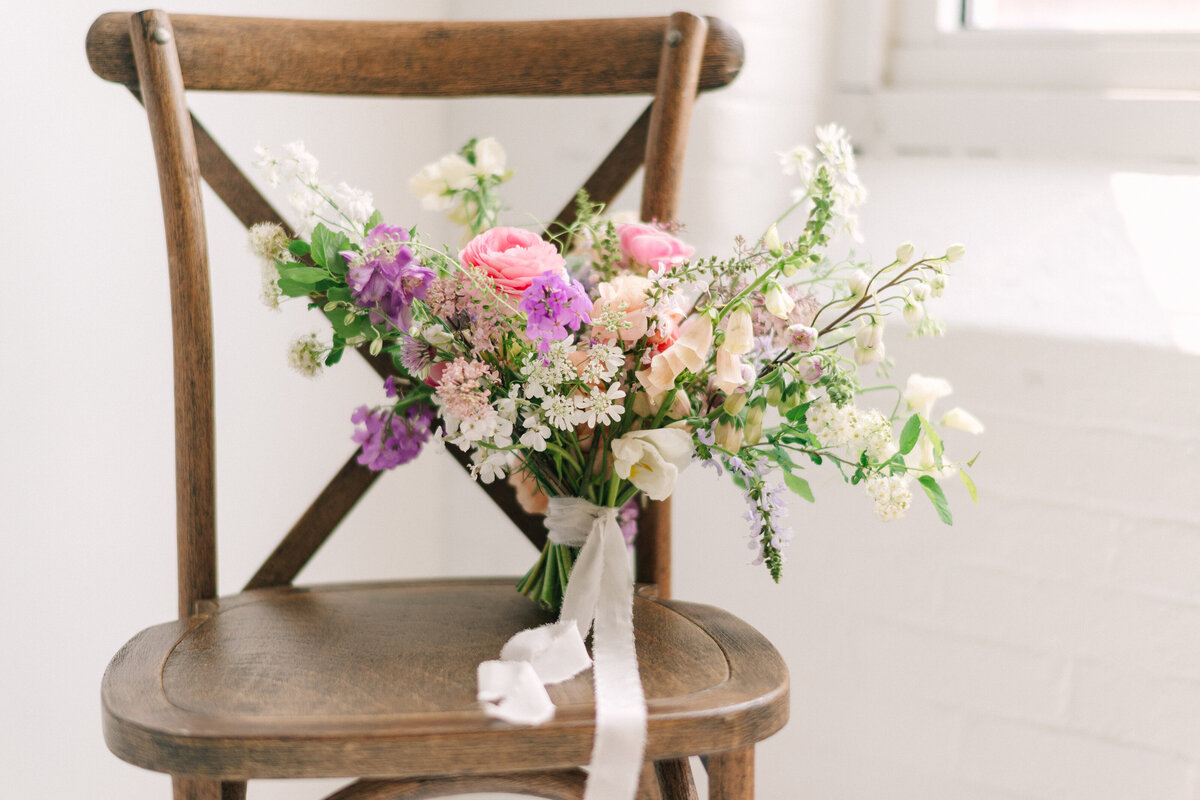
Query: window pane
[1082, 15]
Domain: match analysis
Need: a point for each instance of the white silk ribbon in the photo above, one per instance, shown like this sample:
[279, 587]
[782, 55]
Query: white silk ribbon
[599, 597]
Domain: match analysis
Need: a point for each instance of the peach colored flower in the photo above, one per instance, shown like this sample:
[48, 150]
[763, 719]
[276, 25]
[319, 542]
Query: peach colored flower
[529, 496]
[729, 371]
[646, 247]
[625, 294]
[511, 257]
[690, 350]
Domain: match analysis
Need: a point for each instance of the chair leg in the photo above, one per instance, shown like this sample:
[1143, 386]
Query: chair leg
[731, 775]
[233, 790]
[193, 789]
[675, 779]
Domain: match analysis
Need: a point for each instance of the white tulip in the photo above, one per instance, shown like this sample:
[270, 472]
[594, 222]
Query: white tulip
[955, 251]
[651, 460]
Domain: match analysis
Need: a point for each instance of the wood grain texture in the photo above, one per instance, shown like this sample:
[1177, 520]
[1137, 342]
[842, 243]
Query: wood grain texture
[191, 305]
[648, 788]
[528, 57]
[316, 524]
[675, 779]
[558, 785]
[731, 775]
[616, 170]
[678, 82]
[378, 681]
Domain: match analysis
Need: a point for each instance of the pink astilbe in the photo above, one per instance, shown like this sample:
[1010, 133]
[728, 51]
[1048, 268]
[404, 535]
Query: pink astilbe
[470, 304]
[463, 391]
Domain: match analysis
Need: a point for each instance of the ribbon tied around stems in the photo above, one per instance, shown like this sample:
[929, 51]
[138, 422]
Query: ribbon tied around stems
[598, 597]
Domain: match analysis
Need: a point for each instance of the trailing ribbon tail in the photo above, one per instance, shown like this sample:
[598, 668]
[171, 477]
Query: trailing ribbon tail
[599, 592]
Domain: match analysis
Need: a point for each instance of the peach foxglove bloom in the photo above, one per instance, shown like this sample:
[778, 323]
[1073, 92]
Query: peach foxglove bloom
[739, 331]
[772, 243]
[690, 350]
[777, 301]
[652, 459]
[729, 370]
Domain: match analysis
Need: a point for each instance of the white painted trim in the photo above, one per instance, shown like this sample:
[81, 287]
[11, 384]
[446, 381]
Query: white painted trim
[909, 82]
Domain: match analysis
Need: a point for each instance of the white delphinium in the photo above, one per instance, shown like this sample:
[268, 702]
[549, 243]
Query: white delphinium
[436, 182]
[891, 495]
[305, 355]
[490, 159]
[356, 205]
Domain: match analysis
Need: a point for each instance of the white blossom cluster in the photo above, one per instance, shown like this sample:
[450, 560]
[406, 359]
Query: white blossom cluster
[835, 153]
[343, 206]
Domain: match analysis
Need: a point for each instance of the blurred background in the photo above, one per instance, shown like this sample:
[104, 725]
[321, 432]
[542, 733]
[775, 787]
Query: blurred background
[1045, 646]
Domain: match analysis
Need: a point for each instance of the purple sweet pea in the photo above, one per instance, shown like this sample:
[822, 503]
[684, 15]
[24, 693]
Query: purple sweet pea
[385, 278]
[553, 304]
[389, 439]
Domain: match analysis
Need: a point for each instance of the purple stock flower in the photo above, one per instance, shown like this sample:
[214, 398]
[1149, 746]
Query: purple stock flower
[389, 439]
[627, 519]
[384, 277]
[554, 303]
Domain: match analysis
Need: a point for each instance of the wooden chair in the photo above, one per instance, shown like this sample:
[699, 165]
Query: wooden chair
[377, 681]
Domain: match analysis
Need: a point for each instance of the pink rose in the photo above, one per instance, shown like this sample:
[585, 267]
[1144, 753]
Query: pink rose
[511, 257]
[646, 247]
[625, 294]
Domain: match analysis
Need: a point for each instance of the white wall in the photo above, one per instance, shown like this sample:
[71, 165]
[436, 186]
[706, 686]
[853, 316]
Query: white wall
[1047, 646]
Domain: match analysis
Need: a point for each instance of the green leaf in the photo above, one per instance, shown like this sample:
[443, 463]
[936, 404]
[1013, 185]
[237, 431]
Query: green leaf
[970, 484]
[303, 274]
[797, 413]
[294, 288]
[335, 355]
[782, 458]
[938, 447]
[344, 329]
[298, 247]
[327, 247]
[376, 218]
[799, 486]
[317, 250]
[937, 497]
[910, 434]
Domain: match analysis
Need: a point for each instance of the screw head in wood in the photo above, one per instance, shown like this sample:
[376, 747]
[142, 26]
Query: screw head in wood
[674, 37]
[161, 35]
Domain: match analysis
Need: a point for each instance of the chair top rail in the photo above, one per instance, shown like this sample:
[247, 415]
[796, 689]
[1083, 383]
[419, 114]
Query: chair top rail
[534, 58]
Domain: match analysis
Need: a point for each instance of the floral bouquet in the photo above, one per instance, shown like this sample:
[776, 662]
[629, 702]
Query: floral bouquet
[597, 360]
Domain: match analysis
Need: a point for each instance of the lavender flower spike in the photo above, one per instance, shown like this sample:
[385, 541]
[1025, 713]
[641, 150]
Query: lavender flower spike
[554, 303]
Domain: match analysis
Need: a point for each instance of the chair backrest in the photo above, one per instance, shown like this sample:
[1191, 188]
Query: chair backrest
[159, 57]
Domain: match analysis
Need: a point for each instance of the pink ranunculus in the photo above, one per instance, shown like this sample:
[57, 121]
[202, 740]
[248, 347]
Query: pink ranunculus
[511, 257]
[646, 248]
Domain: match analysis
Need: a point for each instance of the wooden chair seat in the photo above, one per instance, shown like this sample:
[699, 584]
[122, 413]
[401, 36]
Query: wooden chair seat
[379, 680]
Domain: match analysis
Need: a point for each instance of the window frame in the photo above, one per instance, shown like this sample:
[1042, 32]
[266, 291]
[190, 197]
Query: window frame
[909, 79]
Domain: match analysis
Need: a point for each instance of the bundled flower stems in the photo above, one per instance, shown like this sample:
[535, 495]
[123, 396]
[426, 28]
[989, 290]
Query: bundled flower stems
[600, 359]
